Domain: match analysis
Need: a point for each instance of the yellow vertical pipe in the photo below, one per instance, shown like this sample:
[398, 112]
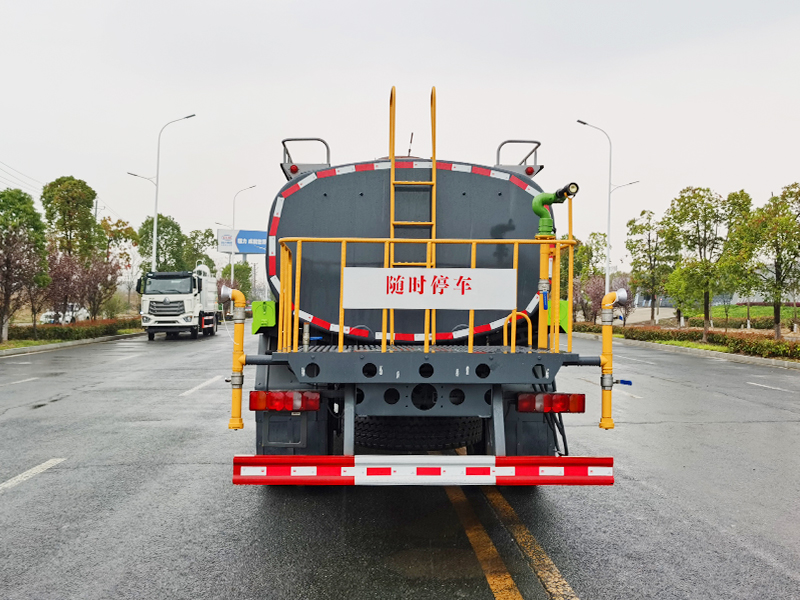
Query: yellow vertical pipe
[514, 312]
[570, 284]
[427, 310]
[472, 311]
[391, 195]
[296, 333]
[433, 199]
[280, 302]
[287, 335]
[544, 255]
[556, 299]
[383, 316]
[341, 288]
[606, 360]
[237, 377]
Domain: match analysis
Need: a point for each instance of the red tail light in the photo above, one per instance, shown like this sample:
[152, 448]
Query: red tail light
[294, 168]
[575, 403]
[290, 401]
[529, 170]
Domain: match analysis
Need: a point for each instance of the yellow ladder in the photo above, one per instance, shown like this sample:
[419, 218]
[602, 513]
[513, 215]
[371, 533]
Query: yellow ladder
[430, 316]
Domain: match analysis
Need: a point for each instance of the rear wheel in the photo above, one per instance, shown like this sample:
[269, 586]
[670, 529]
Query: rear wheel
[214, 328]
[418, 433]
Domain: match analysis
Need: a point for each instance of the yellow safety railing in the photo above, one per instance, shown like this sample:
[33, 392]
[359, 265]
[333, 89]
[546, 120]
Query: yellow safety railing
[291, 274]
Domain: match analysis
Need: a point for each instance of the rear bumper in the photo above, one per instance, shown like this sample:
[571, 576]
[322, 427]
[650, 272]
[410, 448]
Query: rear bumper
[422, 470]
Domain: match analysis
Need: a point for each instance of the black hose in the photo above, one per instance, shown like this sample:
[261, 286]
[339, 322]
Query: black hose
[549, 420]
[560, 423]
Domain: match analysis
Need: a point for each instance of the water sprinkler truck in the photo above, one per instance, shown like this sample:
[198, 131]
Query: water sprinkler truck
[415, 336]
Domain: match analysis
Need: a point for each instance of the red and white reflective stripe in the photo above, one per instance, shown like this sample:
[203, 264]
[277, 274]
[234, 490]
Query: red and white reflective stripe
[344, 170]
[422, 470]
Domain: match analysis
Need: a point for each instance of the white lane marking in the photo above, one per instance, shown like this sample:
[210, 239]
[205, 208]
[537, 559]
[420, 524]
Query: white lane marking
[20, 363]
[201, 386]
[636, 359]
[770, 387]
[128, 356]
[30, 473]
[20, 381]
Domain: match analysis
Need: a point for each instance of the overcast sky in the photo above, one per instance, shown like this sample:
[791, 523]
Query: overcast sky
[691, 93]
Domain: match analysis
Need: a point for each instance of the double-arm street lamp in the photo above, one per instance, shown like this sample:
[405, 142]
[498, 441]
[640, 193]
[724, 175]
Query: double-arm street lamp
[150, 179]
[611, 188]
[233, 225]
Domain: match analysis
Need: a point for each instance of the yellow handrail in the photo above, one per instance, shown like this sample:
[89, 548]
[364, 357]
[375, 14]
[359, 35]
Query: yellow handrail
[290, 279]
[530, 330]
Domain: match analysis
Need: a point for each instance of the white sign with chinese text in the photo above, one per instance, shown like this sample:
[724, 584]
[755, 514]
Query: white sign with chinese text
[447, 289]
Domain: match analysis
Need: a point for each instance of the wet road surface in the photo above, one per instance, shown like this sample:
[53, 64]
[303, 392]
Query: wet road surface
[705, 505]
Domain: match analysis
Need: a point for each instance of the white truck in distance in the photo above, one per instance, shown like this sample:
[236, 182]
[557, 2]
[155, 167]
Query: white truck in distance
[173, 302]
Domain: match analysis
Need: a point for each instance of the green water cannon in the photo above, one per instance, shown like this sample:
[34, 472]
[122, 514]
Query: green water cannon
[545, 199]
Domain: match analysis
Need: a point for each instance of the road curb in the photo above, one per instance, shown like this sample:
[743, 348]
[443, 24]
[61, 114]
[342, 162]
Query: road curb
[49, 347]
[739, 358]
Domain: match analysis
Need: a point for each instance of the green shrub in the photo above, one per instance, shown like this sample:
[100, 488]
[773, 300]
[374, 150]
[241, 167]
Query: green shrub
[735, 323]
[587, 328]
[77, 331]
[755, 344]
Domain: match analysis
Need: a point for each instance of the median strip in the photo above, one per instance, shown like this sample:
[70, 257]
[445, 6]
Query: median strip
[30, 473]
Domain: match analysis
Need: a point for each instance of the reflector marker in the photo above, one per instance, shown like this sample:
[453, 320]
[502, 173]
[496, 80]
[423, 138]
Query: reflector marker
[422, 470]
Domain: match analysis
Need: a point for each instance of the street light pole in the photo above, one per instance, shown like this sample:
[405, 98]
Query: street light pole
[233, 226]
[608, 228]
[155, 210]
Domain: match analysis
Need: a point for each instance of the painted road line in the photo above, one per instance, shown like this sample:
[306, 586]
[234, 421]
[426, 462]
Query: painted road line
[128, 356]
[20, 381]
[634, 359]
[770, 387]
[30, 473]
[494, 569]
[201, 386]
[554, 584]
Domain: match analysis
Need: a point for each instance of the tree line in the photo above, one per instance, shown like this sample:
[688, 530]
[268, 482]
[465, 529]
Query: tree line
[706, 245]
[67, 256]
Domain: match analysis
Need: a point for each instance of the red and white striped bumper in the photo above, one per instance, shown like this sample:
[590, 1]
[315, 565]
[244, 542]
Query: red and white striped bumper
[422, 470]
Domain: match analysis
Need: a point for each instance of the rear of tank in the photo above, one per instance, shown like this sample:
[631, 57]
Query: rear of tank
[472, 202]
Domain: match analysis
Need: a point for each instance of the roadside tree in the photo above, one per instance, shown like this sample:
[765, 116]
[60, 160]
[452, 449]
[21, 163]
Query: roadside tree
[171, 244]
[594, 289]
[65, 280]
[699, 219]
[774, 232]
[653, 255]
[196, 247]
[97, 282]
[22, 252]
[68, 207]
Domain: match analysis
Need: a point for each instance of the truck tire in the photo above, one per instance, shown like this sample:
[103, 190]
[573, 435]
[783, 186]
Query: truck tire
[214, 329]
[151, 336]
[193, 333]
[417, 433]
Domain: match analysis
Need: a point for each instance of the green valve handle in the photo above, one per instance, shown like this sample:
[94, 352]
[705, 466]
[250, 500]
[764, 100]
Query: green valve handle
[545, 199]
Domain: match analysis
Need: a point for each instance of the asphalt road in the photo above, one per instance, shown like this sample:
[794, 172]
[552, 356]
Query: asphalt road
[705, 503]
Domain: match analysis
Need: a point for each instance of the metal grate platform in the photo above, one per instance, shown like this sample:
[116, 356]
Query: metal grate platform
[450, 349]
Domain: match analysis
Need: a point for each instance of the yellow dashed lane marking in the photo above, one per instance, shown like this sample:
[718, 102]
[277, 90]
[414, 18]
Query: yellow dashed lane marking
[497, 575]
[547, 572]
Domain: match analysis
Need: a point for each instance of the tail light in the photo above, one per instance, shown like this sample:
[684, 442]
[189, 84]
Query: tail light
[558, 403]
[290, 401]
